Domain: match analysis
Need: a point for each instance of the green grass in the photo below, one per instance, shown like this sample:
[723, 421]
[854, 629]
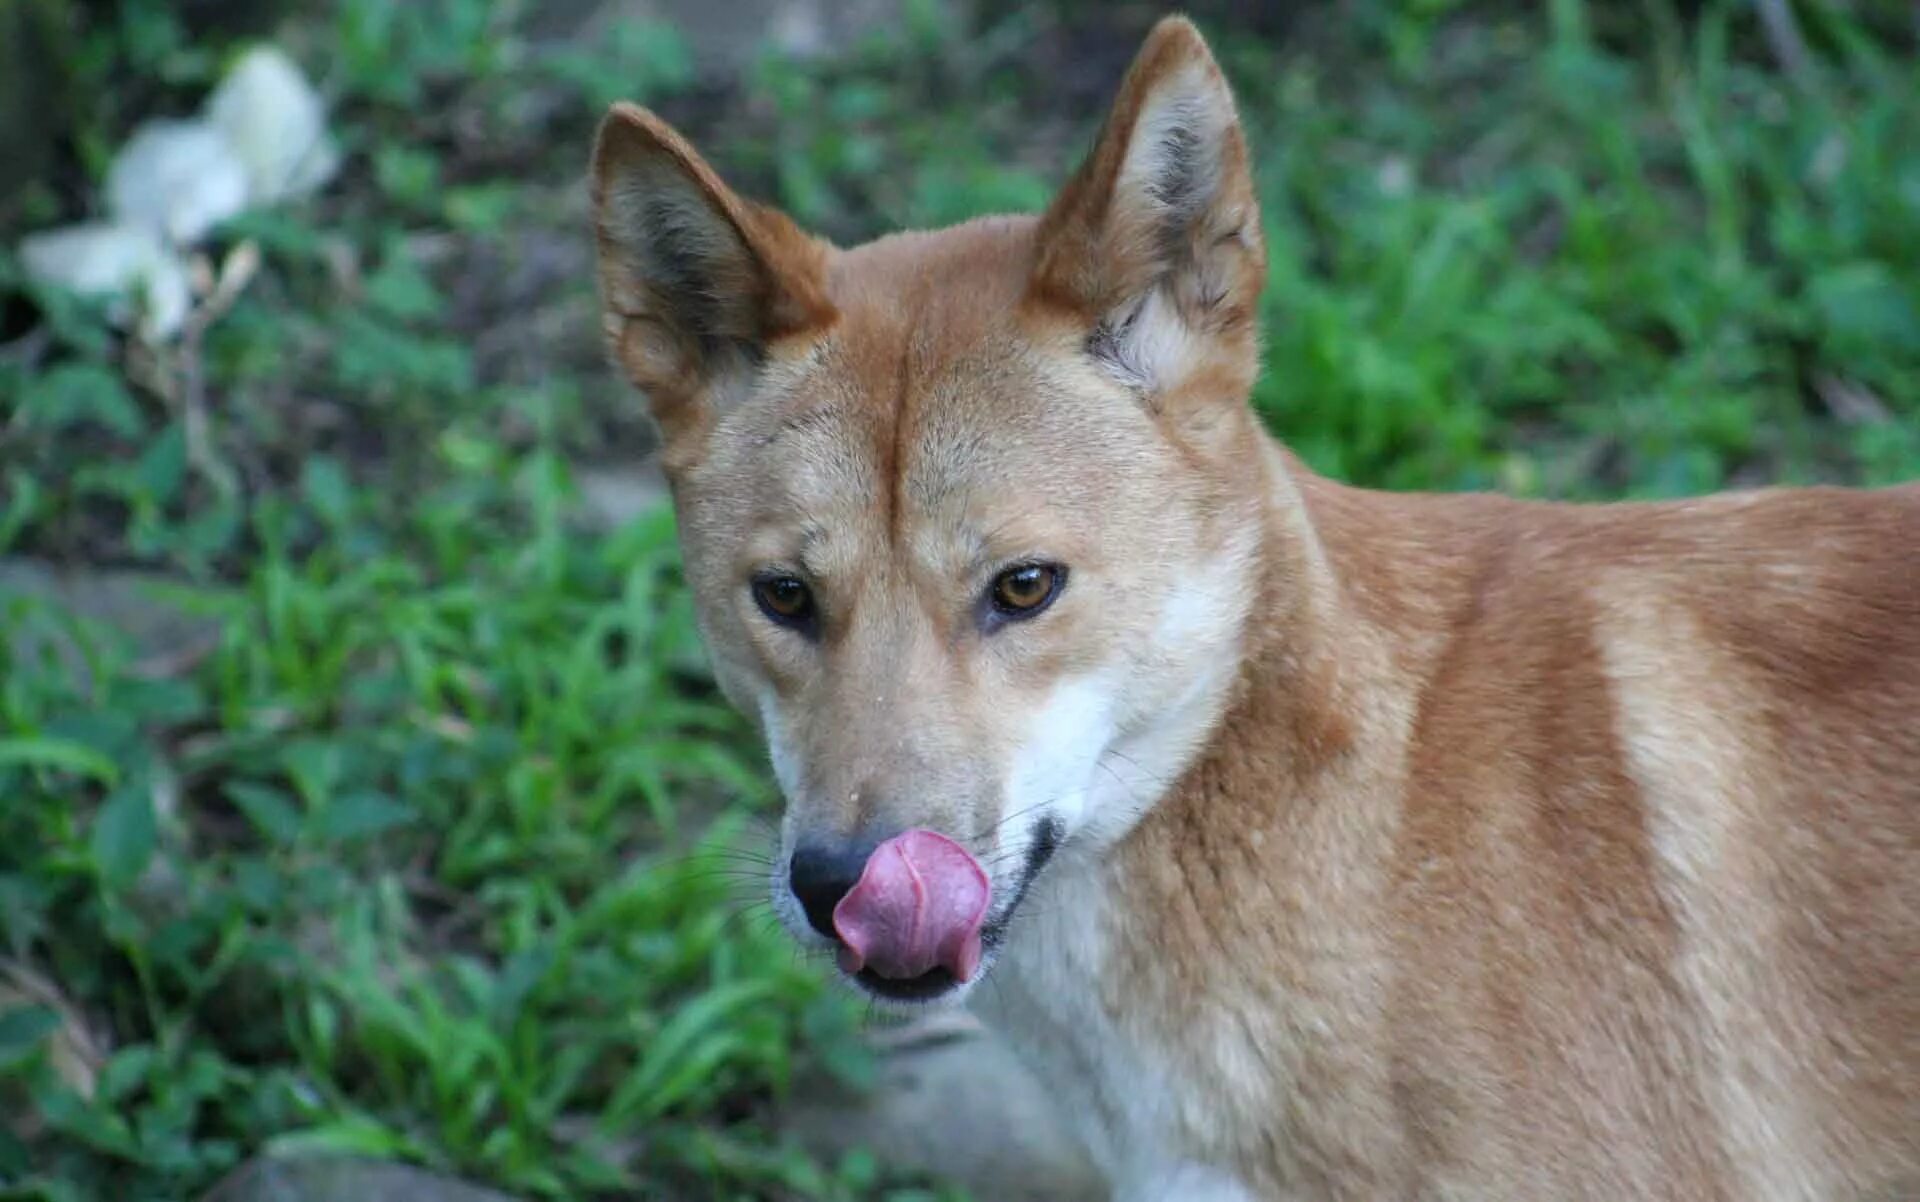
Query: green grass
[1598, 275]
[391, 872]
[407, 859]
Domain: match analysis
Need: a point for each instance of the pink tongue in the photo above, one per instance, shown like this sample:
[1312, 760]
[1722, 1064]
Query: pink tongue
[918, 906]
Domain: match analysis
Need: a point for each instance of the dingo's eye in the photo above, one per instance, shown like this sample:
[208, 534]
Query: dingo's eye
[785, 599]
[1023, 591]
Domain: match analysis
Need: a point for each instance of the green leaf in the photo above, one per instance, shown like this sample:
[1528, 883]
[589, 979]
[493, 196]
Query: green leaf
[25, 496]
[124, 834]
[685, 1051]
[400, 289]
[66, 1111]
[63, 754]
[362, 814]
[352, 1136]
[14, 1161]
[406, 174]
[81, 392]
[260, 884]
[126, 1072]
[315, 767]
[271, 811]
[481, 208]
[166, 702]
[162, 467]
[324, 484]
[1866, 310]
[24, 903]
[22, 1030]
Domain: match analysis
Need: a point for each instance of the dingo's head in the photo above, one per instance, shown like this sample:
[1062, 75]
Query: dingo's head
[970, 515]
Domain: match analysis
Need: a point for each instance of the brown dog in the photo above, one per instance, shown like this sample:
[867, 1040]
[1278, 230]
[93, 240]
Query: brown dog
[1319, 843]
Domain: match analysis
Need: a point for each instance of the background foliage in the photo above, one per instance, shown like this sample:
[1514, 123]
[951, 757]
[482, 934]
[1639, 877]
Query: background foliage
[399, 858]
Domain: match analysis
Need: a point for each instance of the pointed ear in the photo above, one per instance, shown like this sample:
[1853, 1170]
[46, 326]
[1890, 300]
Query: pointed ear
[695, 282]
[1156, 240]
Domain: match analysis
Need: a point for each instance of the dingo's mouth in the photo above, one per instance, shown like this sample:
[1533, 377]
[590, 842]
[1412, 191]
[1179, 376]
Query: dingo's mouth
[932, 907]
[917, 909]
[929, 985]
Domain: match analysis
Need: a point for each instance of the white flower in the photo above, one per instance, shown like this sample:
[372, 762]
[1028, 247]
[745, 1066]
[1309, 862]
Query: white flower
[276, 124]
[114, 260]
[263, 138]
[180, 178]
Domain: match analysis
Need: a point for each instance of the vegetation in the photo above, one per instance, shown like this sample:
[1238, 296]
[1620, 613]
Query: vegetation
[440, 847]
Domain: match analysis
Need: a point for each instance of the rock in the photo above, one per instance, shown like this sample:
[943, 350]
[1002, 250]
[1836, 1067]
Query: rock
[180, 178]
[276, 124]
[329, 1179]
[610, 497]
[958, 1105]
[164, 636]
[128, 264]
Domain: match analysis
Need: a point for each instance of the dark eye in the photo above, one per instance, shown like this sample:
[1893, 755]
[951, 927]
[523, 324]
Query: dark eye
[1025, 590]
[785, 599]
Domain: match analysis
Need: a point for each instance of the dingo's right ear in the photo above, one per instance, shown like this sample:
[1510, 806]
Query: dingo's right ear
[694, 280]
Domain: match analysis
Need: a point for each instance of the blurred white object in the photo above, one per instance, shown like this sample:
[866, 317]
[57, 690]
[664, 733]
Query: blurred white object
[181, 178]
[117, 261]
[276, 124]
[263, 138]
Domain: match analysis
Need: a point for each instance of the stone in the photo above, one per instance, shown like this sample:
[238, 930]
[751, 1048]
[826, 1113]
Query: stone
[610, 497]
[130, 266]
[164, 636]
[180, 178]
[331, 1179]
[952, 1101]
[276, 123]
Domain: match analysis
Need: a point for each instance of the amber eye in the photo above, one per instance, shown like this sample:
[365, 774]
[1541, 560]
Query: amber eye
[1023, 591]
[785, 599]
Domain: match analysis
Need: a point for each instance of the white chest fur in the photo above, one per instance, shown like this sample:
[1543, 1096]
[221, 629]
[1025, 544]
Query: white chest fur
[1122, 1095]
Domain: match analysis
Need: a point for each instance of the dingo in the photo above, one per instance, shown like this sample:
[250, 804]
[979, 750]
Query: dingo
[1319, 843]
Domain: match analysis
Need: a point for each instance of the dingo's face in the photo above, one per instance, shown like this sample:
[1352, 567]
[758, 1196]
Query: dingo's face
[965, 513]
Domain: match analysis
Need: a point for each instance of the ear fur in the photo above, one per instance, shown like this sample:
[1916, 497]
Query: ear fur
[695, 281]
[1156, 240]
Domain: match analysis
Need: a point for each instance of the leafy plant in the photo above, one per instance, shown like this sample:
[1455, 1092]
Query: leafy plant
[434, 842]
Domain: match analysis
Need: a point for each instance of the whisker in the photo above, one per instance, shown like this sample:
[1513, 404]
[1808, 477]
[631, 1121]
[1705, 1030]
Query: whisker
[1004, 819]
[743, 867]
[729, 853]
[1150, 777]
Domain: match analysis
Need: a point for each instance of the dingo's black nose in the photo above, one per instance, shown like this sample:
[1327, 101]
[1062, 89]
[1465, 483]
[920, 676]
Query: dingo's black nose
[821, 873]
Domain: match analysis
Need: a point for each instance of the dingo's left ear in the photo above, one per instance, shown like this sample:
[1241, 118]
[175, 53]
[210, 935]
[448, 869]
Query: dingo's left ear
[1156, 239]
[695, 281]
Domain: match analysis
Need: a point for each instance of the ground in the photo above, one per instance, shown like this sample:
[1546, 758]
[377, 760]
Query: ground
[364, 787]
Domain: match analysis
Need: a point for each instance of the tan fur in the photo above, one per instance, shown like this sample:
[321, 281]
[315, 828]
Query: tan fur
[1422, 847]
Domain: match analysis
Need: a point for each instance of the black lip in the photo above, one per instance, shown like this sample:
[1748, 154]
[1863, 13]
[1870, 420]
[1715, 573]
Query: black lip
[1046, 841]
[923, 988]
